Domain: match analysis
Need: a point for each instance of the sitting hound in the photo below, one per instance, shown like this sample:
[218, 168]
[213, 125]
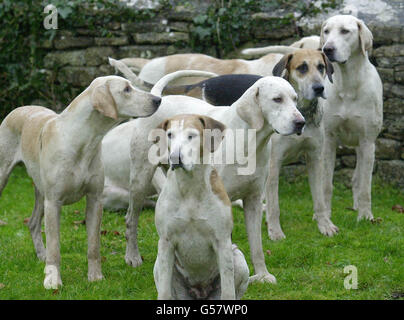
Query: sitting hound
[62, 154]
[196, 258]
[268, 105]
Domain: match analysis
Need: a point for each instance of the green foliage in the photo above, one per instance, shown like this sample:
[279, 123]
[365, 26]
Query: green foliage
[22, 35]
[226, 24]
[307, 265]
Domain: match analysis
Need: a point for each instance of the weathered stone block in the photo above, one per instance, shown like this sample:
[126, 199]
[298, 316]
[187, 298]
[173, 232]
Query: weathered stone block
[113, 41]
[394, 106]
[389, 62]
[159, 38]
[157, 25]
[61, 58]
[141, 51]
[386, 74]
[393, 126]
[387, 149]
[349, 161]
[65, 42]
[96, 56]
[395, 50]
[78, 76]
[392, 172]
[399, 76]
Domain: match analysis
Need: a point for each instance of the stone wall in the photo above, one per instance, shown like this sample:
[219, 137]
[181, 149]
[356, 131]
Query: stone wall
[76, 57]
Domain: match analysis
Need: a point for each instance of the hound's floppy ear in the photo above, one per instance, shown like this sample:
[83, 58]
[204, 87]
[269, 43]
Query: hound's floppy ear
[329, 69]
[322, 35]
[160, 138]
[282, 65]
[102, 100]
[216, 132]
[248, 108]
[365, 37]
[163, 125]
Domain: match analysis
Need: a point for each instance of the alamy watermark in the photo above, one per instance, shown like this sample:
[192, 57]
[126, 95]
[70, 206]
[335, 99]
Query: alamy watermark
[237, 147]
[351, 280]
[51, 20]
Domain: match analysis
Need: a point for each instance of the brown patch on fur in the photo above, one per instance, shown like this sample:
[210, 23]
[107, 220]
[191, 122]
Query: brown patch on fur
[191, 91]
[135, 63]
[196, 61]
[312, 57]
[28, 123]
[218, 188]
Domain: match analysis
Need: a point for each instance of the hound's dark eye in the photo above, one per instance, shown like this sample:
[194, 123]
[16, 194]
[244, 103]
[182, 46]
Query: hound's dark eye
[127, 89]
[169, 135]
[303, 68]
[344, 31]
[277, 99]
[190, 137]
[326, 31]
[320, 68]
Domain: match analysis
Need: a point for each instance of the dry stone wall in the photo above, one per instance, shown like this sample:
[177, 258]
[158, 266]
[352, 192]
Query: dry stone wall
[76, 57]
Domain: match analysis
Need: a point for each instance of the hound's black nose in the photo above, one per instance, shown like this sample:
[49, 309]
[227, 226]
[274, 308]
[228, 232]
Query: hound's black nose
[318, 89]
[299, 124]
[156, 101]
[175, 160]
[329, 52]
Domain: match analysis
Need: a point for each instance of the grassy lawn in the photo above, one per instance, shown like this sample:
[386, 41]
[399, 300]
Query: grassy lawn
[306, 264]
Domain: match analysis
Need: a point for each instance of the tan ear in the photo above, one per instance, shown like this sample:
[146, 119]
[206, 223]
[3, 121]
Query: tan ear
[102, 100]
[215, 133]
[249, 110]
[282, 65]
[322, 36]
[160, 138]
[329, 69]
[365, 37]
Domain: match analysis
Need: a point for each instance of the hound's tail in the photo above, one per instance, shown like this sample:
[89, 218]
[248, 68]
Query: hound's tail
[158, 88]
[135, 64]
[269, 49]
[129, 74]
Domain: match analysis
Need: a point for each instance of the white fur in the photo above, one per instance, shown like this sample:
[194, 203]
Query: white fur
[255, 109]
[63, 156]
[353, 112]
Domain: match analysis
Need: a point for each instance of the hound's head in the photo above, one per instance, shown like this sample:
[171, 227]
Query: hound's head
[271, 101]
[116, 98]
[188, 137]
[343, 35]
[306, 70]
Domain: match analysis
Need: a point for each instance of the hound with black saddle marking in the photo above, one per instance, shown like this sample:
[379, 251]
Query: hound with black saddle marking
[268, 105]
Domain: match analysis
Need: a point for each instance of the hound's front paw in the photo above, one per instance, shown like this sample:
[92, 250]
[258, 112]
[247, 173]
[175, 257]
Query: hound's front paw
[326, 227]
[365, 214]
[95, 276]
[133, 259]
[276, 233]
[263, 277]
[52, 277]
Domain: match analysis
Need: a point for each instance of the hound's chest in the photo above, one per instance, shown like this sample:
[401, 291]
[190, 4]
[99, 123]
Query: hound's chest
[350, 119]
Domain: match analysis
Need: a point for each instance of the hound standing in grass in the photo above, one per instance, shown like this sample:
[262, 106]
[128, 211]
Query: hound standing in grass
[353, 112]
[196, 258]
[62, 154]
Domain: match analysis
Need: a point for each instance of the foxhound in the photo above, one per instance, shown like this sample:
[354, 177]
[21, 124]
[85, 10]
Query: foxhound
[62, 154]
[196, 258]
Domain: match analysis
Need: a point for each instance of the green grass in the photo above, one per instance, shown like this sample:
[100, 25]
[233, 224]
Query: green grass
[306, 264]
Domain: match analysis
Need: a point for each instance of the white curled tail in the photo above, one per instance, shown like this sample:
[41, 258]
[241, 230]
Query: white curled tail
[158, 88]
